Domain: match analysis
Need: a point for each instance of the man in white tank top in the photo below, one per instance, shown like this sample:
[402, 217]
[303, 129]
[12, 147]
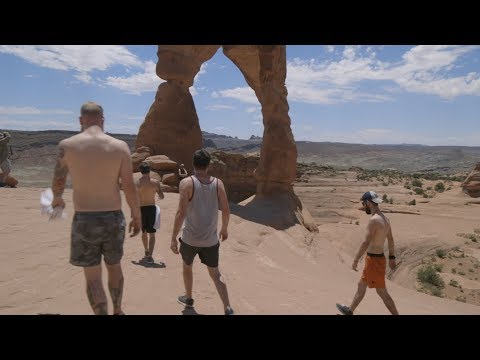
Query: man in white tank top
[201, 196]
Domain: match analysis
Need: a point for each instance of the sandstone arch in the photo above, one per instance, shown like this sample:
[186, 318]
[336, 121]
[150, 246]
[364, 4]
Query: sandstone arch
[171, 126]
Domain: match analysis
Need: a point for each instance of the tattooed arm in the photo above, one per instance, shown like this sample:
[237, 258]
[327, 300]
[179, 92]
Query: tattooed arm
[59, 178]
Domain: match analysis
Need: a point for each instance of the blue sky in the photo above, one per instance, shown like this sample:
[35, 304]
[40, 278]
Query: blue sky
[360, 94]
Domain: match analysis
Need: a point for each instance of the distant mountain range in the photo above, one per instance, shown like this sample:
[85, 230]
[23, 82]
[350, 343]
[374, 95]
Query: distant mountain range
[38, 147]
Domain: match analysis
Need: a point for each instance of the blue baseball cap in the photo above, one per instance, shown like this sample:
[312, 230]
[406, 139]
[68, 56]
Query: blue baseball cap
[372, 196]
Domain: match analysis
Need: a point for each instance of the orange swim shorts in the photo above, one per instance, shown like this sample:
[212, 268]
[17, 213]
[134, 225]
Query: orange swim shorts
[374, 271]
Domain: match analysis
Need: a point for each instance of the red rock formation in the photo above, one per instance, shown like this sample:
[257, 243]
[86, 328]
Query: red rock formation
[161, 163]
[236, 172]
[471, 185]
[171, 126]
[139, 156]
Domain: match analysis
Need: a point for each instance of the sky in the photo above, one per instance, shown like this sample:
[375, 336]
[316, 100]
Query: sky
[392, 94]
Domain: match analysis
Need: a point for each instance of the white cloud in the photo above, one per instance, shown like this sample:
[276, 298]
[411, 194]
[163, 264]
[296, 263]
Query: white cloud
[245, 94]
[83, 77]
[81, 58]
[257, 123]
[29, 76]
[215, 94]
[27, 110]
[136, 118]
[217, 107]
[330, 48]
[136, 84]
[422, 69]
[203, 70]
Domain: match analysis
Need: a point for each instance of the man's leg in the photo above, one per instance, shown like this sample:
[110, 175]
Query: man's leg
[95, 292]
[361, 290]
[387, 300]
[145, 242]
[188, 279]
[115, 286]
[151, 244]
[220, 285]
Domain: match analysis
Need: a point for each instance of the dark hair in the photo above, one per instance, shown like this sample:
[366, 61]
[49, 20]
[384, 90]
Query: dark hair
[201, 159]
[144, 168]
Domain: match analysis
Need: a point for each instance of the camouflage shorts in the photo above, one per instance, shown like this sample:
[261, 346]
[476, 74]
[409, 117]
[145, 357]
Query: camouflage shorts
[96, 233]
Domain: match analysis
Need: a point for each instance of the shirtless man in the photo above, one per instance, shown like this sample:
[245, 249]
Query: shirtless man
[378, 229]
[95, 162]
[182, 172]
[147, 188]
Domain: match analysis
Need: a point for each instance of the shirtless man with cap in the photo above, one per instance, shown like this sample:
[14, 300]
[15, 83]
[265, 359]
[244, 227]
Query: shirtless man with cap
[96, 162]
[373, 276]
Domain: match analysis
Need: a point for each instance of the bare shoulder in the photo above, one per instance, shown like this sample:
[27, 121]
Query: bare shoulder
[185, 183]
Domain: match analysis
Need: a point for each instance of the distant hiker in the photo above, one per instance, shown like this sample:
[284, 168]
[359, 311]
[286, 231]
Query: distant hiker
[5, 164]
[96, 162]
[182, 172]
[200, 197]
[147, 188]
[378, 229]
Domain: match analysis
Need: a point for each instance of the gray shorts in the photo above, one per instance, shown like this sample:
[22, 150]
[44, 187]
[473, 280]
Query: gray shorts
[97, 233]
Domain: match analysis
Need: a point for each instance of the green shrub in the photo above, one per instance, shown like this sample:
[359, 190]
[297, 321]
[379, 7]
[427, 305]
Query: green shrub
[441, 253]
[440, 187]
[438, 267]
[385, 198]
[454, 271]
[418, 191]
[413, 202]
[428, 275]
[417, 183]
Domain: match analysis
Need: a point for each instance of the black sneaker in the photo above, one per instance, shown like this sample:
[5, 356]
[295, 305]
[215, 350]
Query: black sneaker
[187, 302]
[344, 309]
[229, 311]
[149, 260]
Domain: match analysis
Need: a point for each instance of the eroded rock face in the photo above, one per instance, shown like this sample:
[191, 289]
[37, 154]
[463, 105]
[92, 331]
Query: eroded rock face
[237, 173]
[139, 156]
[471, 185]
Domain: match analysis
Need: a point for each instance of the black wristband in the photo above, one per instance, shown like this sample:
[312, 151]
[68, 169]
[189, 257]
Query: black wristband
[391, 257]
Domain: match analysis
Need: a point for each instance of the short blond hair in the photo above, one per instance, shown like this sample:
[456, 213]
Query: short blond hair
[91, 108]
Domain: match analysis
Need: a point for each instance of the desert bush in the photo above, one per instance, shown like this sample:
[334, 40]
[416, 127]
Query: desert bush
[418, 191]
[417, 183]
[428, 275]
[438, 267]
[441, 253]
[453, 283]
[413, 202]
[440, 187]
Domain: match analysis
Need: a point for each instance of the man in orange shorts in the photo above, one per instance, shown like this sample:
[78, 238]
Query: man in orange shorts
[378, 229]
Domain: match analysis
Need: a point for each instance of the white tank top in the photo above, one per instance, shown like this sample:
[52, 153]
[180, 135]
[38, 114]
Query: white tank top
[200, 225]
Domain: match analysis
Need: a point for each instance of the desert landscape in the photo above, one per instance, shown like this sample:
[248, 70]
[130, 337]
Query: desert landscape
[269, 271]
[296, 222]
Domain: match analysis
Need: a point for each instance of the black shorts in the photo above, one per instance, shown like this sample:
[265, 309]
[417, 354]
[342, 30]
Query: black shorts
[149, 213]
[97, 233]
[207, 255]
